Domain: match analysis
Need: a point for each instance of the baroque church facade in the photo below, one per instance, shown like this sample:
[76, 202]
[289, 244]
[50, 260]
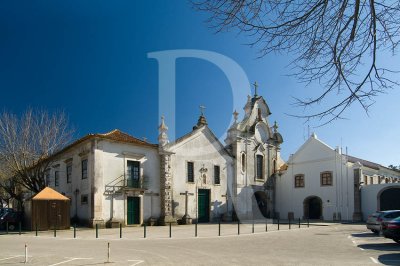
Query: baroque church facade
[115, 178]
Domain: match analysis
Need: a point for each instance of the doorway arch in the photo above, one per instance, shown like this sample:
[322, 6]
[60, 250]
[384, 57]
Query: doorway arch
[261, 202]
[388, 198]
[312, 207]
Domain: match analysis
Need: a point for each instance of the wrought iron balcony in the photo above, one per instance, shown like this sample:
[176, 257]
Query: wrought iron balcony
[123, 183]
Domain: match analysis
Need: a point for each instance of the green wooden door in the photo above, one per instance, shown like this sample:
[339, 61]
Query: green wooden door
[133, 210]
[204, 205]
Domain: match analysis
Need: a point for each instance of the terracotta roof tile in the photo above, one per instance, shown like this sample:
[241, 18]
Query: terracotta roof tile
[114, 135]
[118, 135]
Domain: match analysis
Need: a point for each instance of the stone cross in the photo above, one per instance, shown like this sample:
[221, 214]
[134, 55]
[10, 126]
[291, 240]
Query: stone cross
[202, 107]
[226, 196]
[276, 127]
[235, 116]
[151, 194]
[255, 88]
[187, 194]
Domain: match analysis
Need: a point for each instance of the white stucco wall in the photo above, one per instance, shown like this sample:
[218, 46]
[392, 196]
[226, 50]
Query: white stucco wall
[113, 167]
[310, 160]
[78, 186]
[370, 197]
[204, 151]
[106, 162]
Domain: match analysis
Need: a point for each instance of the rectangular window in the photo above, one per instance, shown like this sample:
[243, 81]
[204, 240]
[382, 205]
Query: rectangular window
[56, 178]
[133, 177]
[47, 177]
[69, 173]
[84, 199]
[299, 181]
[84, 169]
[326, 179]
[216, 175]
[190, 172]
[260, 167]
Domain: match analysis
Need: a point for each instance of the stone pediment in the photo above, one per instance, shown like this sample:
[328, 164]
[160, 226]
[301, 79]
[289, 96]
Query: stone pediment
[259, 148]
[203, 135]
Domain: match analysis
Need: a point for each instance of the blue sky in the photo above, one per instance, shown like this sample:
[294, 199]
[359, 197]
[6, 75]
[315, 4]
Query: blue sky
[89, 58]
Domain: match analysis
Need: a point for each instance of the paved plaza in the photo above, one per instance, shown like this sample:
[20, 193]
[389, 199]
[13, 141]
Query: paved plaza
[322, 244]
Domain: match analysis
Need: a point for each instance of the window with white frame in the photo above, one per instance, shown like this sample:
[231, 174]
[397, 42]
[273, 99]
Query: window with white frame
[259, 166]
[84, 165]
[326, 179]
[299, 181]
[69, 173]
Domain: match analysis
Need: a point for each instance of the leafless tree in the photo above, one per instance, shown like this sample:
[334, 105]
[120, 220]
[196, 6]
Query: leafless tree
[26, 143]
[338, 44]
[10, 192]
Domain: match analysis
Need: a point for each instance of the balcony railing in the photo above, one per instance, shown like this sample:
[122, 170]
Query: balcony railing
[133, 183]
[124, 182]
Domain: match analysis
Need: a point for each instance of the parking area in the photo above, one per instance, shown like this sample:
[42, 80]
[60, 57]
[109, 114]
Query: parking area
[322, 244]
[379, 249]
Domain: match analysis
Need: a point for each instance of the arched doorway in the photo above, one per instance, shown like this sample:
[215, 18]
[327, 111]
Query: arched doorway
[261, 203]
[388, 199]
[312, 207]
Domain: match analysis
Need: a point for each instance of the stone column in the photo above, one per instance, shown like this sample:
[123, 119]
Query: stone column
[166, 192]
[97, 184]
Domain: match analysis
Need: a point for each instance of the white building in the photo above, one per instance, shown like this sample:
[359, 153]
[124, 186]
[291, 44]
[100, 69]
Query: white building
[198, 166]
[106, 177]
[255, 147]
[115, 178]
[323, 183]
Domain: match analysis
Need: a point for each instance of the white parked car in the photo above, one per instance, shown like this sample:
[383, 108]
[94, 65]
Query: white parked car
[374, 221]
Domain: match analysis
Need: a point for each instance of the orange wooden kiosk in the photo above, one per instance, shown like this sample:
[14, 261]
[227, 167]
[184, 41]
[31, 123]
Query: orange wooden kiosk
[48, 209]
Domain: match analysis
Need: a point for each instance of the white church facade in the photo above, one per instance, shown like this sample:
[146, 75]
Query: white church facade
[320, 182]
[115, 178]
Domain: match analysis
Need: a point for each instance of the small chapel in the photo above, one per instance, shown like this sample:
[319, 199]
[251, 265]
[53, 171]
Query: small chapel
[115, 178]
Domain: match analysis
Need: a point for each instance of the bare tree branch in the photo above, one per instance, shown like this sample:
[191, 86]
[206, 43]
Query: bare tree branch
[26, 144]
[335, 43]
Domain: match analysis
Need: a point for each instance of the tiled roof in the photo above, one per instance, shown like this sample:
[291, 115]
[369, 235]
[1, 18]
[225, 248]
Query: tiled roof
[114, 135]
[49, 194]
[118, 135]
[366, 163]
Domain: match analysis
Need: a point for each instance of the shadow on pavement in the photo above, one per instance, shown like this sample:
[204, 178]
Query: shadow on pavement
[381, 246]
[11, 233]
[364, 235]
[390, 259]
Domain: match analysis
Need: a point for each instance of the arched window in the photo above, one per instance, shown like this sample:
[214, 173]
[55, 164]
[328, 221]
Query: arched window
[243, 161]
[260, 167]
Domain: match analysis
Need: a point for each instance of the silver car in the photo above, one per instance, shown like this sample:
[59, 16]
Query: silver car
[374, 221]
